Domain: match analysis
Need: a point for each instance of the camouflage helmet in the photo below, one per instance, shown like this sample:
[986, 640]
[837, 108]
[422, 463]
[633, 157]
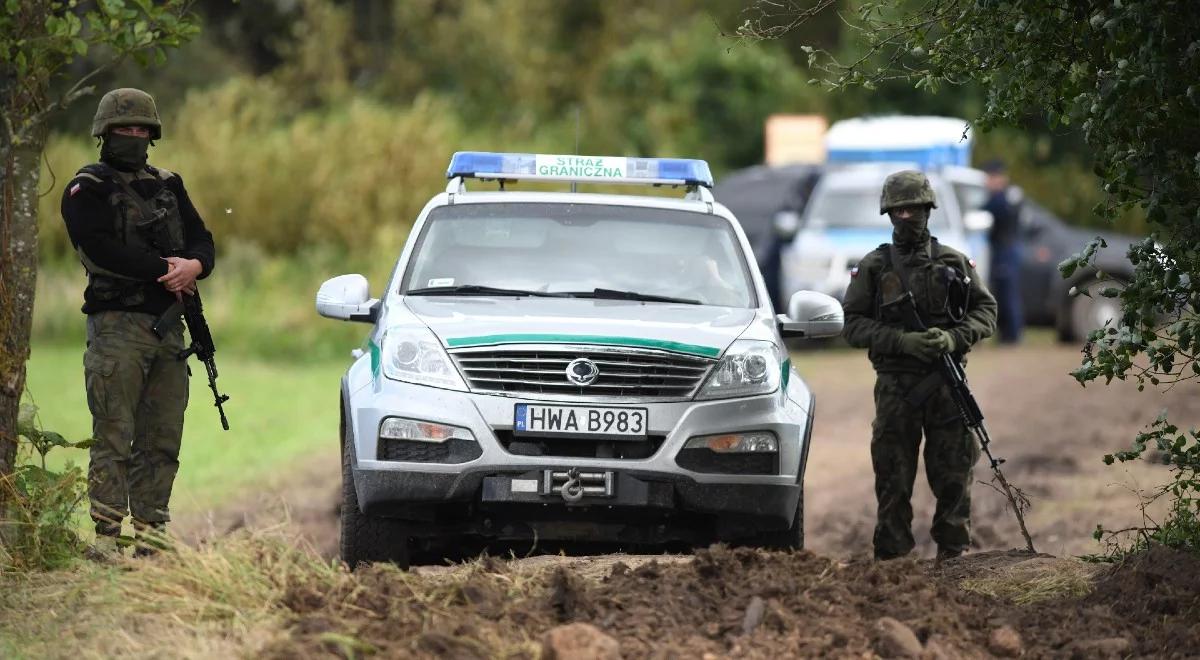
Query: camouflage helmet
[906, 188]
[126, 107]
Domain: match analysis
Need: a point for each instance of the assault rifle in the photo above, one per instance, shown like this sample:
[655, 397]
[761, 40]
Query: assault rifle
[202, 345]
[189, 307]
[895, 294]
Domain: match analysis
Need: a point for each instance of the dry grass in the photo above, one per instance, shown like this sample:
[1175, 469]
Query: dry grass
[218, 600]
[1036, 580]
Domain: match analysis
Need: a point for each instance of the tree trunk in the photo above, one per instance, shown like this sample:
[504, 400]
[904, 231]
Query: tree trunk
[19, 174]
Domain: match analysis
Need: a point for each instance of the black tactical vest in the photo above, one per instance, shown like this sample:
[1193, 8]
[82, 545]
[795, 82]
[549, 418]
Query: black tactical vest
[152, 224]
[940, 288]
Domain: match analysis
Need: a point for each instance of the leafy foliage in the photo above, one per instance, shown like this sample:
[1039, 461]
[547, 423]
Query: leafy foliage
[1123, 74]
[37, 525]
[40, 38]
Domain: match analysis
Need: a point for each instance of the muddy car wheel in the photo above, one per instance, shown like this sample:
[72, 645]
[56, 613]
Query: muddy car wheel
[364, 538]
[787, 539]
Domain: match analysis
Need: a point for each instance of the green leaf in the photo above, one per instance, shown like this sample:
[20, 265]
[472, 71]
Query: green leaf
[54, 439]
[1068, 266]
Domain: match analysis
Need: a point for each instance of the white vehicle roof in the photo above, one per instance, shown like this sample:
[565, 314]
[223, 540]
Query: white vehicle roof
[897, 132]
[930, 142]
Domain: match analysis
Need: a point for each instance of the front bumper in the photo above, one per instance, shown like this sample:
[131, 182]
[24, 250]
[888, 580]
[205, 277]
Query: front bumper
[643, 489]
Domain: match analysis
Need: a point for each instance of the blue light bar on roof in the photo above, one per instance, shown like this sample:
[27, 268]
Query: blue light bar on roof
[595, 169]
[926, 158]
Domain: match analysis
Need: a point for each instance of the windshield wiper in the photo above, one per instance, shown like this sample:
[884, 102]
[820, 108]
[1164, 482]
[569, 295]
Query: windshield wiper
[479, 290]
[614, 294]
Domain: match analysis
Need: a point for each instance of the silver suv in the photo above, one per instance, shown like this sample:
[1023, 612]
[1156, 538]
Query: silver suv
[573, 366]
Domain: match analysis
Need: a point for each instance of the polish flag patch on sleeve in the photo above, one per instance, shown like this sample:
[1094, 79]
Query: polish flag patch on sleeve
[972, 262]
[854, 272]
[74, 189]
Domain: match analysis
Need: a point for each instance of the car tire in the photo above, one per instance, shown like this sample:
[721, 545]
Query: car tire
[1082, 314]
[367, 539]
[786, 539]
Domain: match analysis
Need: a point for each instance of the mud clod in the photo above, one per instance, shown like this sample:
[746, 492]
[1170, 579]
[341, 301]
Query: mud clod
[1005, 642]
[754, 615]
[579, 641]
[896, 640]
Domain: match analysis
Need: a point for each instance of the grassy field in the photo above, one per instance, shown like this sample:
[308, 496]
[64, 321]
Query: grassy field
[278, 413]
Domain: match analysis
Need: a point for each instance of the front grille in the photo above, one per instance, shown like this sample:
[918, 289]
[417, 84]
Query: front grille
[542, 370]
[700, 459]
[580, 446]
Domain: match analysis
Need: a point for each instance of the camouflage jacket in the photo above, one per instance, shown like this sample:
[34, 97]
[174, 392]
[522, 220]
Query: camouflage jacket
[870, 326]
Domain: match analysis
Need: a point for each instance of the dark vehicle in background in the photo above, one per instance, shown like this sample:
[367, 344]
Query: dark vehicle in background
[768, 202]
[1047, 240]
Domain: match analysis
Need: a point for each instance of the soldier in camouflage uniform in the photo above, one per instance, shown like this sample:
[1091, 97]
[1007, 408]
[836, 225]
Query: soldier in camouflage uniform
[137, 385]
[909, 395]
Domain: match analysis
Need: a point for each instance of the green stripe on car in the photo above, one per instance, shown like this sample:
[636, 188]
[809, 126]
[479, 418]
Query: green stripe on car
[635, 342]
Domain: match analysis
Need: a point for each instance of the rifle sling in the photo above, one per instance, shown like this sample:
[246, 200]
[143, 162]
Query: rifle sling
[143, 206]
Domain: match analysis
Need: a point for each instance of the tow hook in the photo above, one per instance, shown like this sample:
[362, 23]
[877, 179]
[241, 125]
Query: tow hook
[574, 484]
[572, 490]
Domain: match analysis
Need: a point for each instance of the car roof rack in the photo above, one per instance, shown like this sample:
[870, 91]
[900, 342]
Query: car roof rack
[692, 173]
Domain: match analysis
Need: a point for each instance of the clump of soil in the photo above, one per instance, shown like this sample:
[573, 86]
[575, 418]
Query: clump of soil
[742, 602]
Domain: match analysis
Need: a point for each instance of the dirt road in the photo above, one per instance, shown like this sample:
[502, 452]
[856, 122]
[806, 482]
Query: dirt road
[1052, 431]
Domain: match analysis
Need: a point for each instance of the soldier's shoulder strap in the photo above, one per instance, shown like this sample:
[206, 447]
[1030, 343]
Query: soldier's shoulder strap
[961, 258]
[885, 253]
[161, 172]
[97, 173]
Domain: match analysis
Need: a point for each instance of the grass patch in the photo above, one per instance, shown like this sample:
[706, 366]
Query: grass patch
[219, 600]
[1036, 580]
[278, 413]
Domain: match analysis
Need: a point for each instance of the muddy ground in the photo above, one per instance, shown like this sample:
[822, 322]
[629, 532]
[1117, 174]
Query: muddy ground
[830, 600]
[743, 603]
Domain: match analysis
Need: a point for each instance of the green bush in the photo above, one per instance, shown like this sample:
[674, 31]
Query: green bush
[331, 178]
[37, 525]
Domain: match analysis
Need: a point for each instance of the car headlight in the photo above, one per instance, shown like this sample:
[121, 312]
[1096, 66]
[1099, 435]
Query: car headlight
[749, 367]
[416, 356]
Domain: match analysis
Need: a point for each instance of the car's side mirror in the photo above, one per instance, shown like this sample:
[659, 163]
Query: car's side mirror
[811, 315]
[978, 220]
[345, 298]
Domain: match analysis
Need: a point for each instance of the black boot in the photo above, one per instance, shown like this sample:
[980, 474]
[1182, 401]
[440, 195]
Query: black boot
[947, 552]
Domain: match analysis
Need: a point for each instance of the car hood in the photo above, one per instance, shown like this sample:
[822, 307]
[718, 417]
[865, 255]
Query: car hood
[483, 321]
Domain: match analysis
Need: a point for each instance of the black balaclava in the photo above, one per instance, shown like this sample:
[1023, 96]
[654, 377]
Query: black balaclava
[912, 232]
[124, 152]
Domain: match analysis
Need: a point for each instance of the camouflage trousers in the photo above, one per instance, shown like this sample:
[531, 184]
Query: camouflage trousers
[950, 456]
[137, 390]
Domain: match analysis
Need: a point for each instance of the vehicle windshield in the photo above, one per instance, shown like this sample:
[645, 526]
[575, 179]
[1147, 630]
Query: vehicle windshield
[578, 248]
[858, 208]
